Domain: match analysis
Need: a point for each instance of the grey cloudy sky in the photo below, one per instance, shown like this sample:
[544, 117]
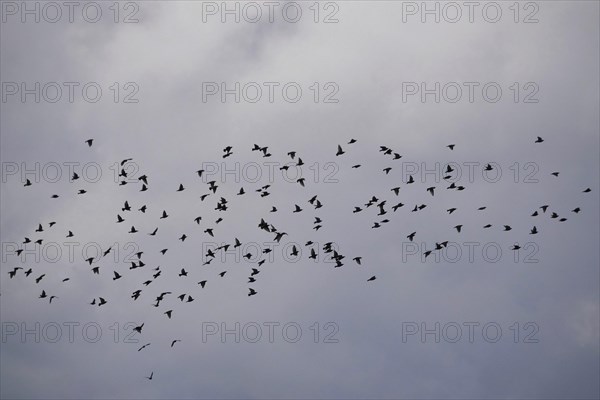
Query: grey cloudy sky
[358, 74]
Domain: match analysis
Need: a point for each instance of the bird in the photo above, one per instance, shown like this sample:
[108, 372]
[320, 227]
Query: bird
[539, 140]
[175, 341]
[117, 276]
[358, 260]
[451, 146]
[181, 188]
[411, 236]
[458, 228]
[151, 375]
[339, 151]
[371, 278]
[164, 215]
[252, 292]
[168, 313]
[533, 231]
[144, 346]
[89, 142]
[139, 328]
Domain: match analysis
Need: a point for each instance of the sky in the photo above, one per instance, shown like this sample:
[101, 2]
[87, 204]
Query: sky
[165, 87]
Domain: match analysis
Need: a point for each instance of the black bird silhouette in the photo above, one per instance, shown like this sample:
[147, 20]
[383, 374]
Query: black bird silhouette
[39, 278]
[371, 278]
[101, 301]
[507, 228]
[12, 273]
[28, 183]
[119, 219]
[43, 295]
[458, 228]
[183, 272]
[587, 190]
[139, 328]
[175, 341]
[539, 140]
[168, 313]
[358, 260]
[164, 215]
[451, 146]
[533, 230]
[117, 276]
[89, 142]
[411, 236]
[151, 375]
[252, 292]
[144, 346]
[339, 151]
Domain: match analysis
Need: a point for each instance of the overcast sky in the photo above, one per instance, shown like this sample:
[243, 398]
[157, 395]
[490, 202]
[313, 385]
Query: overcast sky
[509, 324]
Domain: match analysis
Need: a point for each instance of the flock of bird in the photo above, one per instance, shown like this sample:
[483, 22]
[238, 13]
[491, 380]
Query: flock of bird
[328, 250]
